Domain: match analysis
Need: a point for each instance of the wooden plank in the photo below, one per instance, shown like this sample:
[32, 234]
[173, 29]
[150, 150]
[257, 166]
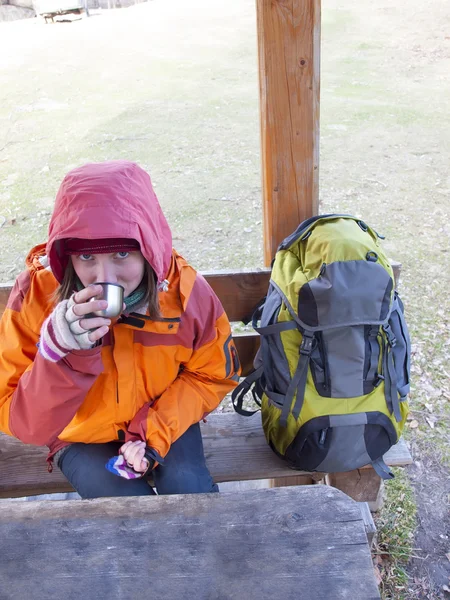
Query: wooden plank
[23, 470]
[5, 290]
[369, 523]
[290, 481]
[309, 479]
[257, 545]
[235, 450]
[289, 82]
[396, 267]
[246, 346]
[239, 291]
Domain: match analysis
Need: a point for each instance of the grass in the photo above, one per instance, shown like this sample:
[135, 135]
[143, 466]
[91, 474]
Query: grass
[177, 105]
[396, 523]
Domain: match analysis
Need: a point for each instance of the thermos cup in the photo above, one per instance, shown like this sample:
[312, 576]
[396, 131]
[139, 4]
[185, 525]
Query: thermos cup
[113, 294]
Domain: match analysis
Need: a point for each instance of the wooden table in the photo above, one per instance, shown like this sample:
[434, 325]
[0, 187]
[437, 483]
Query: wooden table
[305, 542]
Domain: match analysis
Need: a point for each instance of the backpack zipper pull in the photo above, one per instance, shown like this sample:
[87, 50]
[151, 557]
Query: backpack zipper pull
[323, 435]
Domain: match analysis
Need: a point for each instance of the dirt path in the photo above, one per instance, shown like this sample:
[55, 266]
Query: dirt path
[429, 570]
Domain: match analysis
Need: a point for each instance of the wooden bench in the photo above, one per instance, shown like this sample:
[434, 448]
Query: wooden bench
[235, 446]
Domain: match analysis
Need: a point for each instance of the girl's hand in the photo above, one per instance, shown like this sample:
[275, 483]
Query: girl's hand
[69, 328]
[133, 453]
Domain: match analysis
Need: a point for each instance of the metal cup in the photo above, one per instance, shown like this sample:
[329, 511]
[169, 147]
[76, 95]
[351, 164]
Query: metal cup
[113, 294]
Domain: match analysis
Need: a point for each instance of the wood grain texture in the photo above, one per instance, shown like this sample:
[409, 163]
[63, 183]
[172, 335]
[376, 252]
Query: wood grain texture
[361, 485]
[246, 345]
[289, 82]
[239, 291]
[289, 543]
[235, 450]
[5, 290]
[369, 523]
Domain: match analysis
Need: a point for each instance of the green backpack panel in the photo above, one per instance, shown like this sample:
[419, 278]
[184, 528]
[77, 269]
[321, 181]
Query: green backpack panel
[332, 372]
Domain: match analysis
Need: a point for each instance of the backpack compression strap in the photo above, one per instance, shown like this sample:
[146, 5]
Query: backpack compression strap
[298, 382]
[390, 376]
[372, 336]
[256, 377]
[238, 394]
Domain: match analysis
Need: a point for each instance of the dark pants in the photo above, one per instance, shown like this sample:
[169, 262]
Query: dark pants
[184, 470]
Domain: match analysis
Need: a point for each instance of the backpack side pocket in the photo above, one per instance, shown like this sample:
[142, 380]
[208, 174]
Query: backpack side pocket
[272, 354]
[402, 349]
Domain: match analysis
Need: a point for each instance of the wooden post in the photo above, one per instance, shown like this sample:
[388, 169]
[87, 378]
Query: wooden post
[289, 54]
[289, 82]
[361, 485]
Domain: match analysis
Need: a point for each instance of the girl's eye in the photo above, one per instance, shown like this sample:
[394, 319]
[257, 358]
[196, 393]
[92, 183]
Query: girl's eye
[123, 254]
[85, 256]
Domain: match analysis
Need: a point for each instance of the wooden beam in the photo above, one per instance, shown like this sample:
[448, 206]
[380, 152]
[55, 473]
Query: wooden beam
[361, 485]
[5, 290]
[247, 346]
[239, 291]
[289, 80]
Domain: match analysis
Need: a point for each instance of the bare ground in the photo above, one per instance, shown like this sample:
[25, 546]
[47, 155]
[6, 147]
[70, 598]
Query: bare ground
[429, 569]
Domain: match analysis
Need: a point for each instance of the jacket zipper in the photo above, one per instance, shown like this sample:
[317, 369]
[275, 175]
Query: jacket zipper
[117, 373]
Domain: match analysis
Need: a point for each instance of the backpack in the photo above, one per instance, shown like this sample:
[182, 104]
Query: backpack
[332, 372]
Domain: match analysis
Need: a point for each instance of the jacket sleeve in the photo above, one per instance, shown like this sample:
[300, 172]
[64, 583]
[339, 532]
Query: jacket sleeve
[211, 372]
[38, 398]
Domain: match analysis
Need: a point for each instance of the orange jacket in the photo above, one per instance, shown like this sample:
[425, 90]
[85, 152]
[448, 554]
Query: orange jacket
[149, 379]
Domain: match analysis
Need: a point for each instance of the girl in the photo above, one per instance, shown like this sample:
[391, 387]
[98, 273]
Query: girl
[126, 392]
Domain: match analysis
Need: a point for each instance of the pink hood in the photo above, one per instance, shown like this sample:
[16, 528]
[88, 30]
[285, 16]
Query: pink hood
[107, 200]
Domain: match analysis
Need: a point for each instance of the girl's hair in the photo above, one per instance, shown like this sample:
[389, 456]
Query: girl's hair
[68, 284]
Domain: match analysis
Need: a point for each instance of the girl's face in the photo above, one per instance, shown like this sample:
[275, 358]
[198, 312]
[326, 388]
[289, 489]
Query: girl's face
[125, 268]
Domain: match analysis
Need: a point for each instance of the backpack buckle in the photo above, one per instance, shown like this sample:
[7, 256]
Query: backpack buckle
[307, 345]
[378, 379]
[390, 335]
